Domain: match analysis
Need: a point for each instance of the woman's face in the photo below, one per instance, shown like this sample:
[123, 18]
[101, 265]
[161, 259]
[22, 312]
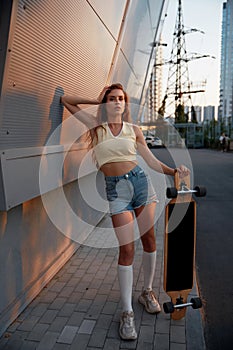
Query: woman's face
[115, 103]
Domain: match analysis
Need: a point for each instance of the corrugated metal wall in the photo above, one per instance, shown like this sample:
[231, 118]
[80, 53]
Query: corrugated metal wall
[142, 28]
[55, 46]
[58, 46]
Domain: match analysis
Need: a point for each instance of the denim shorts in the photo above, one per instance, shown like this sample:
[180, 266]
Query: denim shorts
[129, 191]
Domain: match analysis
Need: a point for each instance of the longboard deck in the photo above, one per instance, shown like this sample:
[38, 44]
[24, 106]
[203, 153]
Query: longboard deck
[179, 249]
[180, 246]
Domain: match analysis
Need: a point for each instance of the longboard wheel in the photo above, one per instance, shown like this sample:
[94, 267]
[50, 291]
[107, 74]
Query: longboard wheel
[196, 303]
[171, 192]
[200, 191]
[168, 307]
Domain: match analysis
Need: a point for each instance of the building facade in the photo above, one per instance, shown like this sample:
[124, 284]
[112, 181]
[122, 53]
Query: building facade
[225, 113]
[198, 110]
[209, 113]
[155, 88]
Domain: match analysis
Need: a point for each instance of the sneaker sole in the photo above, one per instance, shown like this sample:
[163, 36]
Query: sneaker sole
[125, 338]
[141, 301]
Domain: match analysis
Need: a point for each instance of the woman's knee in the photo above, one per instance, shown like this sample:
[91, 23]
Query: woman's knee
[126, 254]
[148, 241]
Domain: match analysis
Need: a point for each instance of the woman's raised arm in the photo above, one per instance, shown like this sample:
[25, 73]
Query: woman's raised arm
[72, 105]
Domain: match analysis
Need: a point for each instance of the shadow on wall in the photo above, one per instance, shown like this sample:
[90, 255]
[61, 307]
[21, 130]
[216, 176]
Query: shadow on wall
[35, 122]
[55, 115]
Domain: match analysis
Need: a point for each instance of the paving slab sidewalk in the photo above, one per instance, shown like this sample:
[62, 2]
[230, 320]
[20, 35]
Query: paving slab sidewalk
[79, 309]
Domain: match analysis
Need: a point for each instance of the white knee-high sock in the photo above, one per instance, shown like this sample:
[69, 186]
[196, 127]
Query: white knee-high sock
[149, 264]
[125, 277]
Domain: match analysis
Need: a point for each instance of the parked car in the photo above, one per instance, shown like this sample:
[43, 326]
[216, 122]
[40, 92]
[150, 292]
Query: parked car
[153, 141]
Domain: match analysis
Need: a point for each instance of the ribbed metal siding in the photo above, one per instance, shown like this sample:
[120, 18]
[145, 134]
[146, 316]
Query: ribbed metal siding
[61, 45]
[57, 46]
[142, 26]
[110, 12]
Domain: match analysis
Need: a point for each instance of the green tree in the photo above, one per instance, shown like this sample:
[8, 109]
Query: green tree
[193, 115]
[180, 116]
[161, 110]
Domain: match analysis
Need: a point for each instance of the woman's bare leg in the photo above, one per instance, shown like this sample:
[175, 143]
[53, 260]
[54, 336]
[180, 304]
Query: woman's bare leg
[145, 218]
[124, 229]
[123, 224]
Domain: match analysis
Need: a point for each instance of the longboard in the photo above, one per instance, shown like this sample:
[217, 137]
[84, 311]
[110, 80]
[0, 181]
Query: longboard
[180, 246]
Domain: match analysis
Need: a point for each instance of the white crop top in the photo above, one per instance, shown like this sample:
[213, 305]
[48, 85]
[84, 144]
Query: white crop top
[120, 148]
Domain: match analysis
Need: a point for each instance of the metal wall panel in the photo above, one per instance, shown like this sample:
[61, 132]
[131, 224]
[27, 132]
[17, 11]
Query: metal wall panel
[110, 12]
[57, 46]
[5, 16]
[137, 46]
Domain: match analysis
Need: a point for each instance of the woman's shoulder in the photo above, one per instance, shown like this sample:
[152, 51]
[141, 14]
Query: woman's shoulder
[136, 128]
[130, 124]
[132, 129]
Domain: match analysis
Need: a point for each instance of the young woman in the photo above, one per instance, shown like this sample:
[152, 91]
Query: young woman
[116, 142]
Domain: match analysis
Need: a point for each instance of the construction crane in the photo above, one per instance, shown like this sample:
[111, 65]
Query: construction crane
[179, 88]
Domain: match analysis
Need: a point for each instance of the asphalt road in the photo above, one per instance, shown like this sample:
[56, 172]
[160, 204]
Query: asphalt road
[214, 256]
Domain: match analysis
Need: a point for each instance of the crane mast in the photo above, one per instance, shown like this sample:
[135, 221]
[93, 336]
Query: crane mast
[177, 102]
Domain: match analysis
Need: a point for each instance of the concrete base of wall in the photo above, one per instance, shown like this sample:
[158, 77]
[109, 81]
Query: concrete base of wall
[33, 248]
[30, 292]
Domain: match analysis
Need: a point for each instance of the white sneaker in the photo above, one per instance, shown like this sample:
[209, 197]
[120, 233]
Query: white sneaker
[148, 299]
[127, 326]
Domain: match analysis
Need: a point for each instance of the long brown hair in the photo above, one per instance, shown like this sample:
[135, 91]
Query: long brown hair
[102, 113]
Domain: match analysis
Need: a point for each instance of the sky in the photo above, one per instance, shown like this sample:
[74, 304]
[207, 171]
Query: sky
[204, 15]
